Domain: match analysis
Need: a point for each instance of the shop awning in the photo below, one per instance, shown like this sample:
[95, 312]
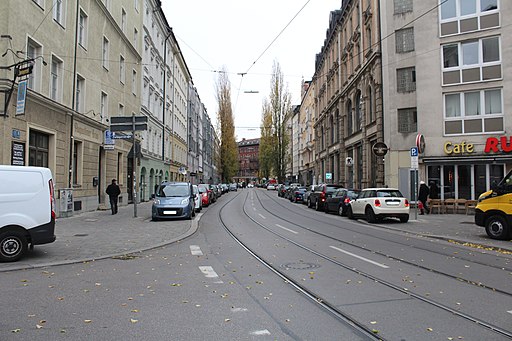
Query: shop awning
[467, 159]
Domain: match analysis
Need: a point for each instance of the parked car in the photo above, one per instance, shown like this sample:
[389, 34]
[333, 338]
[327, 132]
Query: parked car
[205, 194]
[250, 185]
[233, 187]
[27, 210]
[271, 187]
[198, 203]
[375, 204]
[305, 197]
[281, 190]
[320, 193]
[173, 200]
[297, 194]
[339, 200]
[213, 191]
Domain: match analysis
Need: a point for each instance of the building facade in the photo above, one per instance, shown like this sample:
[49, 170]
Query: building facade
[445, 93]
[86, 69]
[307, 134]
[248, 160]
[348, 98]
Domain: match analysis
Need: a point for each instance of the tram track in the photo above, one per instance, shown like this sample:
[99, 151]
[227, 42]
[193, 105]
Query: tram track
[331, 308]
[480, 285]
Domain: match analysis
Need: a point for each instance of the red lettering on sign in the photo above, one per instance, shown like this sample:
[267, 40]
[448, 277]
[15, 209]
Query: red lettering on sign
[491, 144]
[506, 147]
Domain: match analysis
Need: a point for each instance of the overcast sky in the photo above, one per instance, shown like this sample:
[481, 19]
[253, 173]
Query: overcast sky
[234, 34]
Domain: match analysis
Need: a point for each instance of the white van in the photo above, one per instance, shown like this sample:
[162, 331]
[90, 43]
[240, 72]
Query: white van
[27, 210]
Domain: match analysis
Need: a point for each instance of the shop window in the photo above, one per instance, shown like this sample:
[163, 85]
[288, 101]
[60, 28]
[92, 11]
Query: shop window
[77, 162]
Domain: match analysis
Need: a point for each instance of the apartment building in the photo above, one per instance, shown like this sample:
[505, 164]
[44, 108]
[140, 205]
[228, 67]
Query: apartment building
[86, 69]
[306, 137]
[348, 96]
[195, 108]
[446, 91]
[248, 160]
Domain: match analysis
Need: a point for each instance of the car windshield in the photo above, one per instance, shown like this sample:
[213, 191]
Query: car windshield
[390, 193]
[173, 191]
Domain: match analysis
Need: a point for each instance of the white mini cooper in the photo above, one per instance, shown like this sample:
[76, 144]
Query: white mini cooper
[375, 204]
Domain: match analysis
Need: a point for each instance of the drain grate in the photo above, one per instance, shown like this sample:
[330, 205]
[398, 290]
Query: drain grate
[300, 266]
[125, 257]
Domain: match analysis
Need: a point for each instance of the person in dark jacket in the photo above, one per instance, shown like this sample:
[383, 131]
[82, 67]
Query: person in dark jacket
[113, 192]
[423, 196]
[434, 190]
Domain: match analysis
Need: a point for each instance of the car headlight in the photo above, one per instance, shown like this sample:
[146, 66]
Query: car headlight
[157, 201]
[185, 201]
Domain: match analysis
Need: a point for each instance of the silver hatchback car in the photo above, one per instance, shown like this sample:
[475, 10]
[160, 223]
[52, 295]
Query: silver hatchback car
[173, 200]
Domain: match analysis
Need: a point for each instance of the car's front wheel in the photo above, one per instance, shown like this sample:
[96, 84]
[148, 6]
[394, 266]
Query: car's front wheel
[13, 245]
[497, 228]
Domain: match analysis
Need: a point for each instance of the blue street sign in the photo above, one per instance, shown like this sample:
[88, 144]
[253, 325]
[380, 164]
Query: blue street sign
[414, 151]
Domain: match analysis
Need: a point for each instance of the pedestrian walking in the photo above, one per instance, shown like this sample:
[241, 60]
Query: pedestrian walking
[434, 190]
[113, 192]
[422, 197]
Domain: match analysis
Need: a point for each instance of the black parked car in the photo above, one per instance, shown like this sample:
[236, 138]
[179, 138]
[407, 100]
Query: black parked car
[317, 198]
[297, 194]
[339, 200]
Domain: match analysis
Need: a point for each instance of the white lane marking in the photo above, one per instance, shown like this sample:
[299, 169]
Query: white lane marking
[196, 250]
[284, 228]
[260, 332]
[209, 272]
[261, 215]
[238, 310]
[510, 311]
[359, 257]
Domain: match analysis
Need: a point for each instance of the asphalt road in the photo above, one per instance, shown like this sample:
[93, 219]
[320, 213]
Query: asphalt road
[413, 281]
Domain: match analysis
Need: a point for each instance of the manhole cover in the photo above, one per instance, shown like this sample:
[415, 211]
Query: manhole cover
[300, 266]
[81, 235]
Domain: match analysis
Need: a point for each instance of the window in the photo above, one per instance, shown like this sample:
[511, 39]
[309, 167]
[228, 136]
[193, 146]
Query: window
[82, 29]
[59, 11]
[134, 82]
[472, 61]
[34, 50]
[407, 120]
[77, 162]
[135, 37]
[80, 94]
[349, 118]
[370, 104]
[404, 40]
[104, 52]
[39, 146]
[450, 55]
[359, 113]
[103, 107]
[402, 6]
[451, 9]
[473, 112]
[55, 78]
[406, 80]
[123, 20]
[40, 3]
[122, 73]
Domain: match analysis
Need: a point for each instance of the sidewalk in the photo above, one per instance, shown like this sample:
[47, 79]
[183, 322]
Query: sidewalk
[459, 228]
[99, 234]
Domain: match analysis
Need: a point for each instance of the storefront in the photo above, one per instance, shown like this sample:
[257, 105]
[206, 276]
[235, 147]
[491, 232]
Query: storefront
[468, 169]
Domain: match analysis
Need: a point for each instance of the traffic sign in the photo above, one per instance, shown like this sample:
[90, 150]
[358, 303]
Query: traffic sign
[328, 176]
[414, 157]
[128, 119]
[128, 127]
[380, 149]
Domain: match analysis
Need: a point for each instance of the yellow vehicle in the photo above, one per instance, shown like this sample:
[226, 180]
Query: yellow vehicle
[494, 210]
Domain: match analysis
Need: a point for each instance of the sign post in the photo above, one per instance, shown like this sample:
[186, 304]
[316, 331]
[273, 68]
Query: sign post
[131, 123]
[414, 173]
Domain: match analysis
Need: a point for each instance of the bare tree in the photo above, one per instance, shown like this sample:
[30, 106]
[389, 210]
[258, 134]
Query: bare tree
[228, 156]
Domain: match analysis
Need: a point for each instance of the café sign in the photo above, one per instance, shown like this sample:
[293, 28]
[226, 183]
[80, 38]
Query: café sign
[458, 148]
[495, 145]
